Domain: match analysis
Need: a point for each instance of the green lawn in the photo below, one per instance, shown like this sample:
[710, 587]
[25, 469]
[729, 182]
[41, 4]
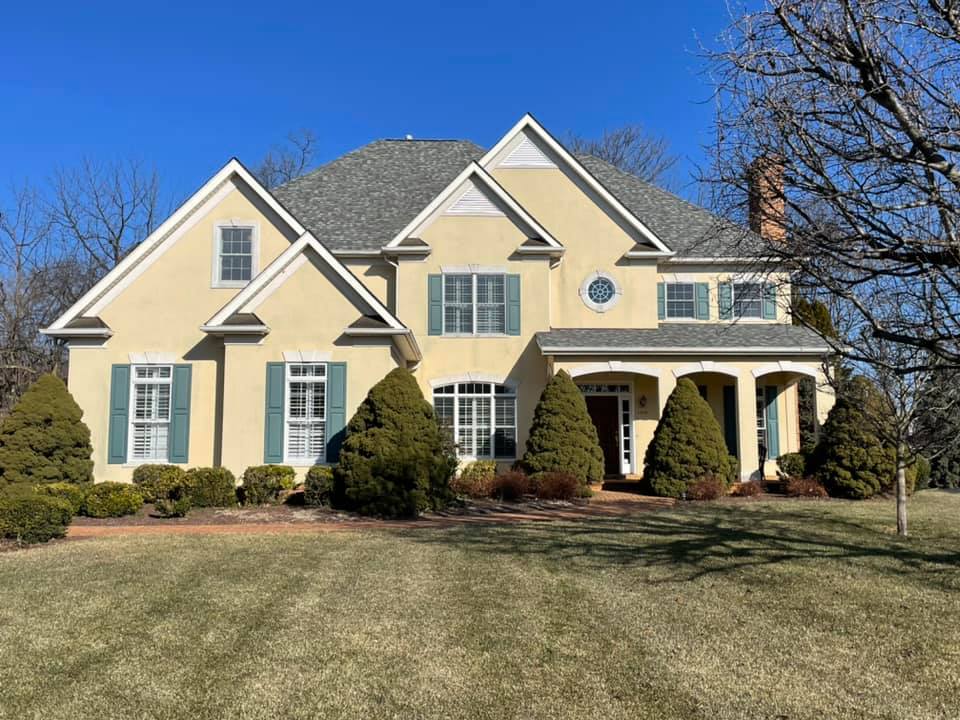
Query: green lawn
[755, 610]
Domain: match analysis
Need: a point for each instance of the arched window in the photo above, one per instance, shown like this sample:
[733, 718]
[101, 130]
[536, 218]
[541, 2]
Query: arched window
[481, 418]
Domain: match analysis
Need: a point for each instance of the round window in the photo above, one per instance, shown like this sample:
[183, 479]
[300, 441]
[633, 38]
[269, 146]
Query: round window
[599, 291]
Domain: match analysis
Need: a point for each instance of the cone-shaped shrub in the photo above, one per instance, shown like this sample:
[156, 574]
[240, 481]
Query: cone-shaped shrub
[850, 459]
[396, 460]
[687, 446]
[44, 438]
[562, 437]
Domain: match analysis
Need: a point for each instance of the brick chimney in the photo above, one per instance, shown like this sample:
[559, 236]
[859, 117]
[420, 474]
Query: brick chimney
[767, 201]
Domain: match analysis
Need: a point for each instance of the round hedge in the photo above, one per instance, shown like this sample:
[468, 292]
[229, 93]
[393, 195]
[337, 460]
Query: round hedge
[112, 499]
[31, 517]
[318, 486]
[211, 487]
[156, 481]
[75, 494]
[687, 446]
[264, 484]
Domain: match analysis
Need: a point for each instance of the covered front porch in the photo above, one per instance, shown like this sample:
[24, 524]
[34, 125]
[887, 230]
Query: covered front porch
[754, 397]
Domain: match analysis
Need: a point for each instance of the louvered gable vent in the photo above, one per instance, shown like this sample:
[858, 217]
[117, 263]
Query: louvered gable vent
[527, 155]
[474, 202]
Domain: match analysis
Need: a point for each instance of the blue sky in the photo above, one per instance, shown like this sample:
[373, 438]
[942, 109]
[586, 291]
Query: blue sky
[184, 86]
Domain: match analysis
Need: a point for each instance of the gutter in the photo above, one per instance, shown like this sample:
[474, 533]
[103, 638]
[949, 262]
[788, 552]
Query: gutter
[802, 350]
[235, 329]
[76, 332]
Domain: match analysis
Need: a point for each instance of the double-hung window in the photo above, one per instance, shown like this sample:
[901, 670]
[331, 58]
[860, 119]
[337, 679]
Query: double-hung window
[474, 304]
[747, 300]
[306, 413]
[150, 417]
[480, 417]
[236, 255]
[681, 301]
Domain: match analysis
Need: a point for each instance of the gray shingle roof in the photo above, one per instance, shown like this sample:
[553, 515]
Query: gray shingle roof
[361, 200]
[720, 337]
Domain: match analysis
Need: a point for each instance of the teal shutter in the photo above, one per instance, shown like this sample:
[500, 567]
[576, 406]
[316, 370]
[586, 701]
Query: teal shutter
[513, 304]
[773, 424]
[730, 419]
[435, 304]
[119, 411]
[661, 302]
[178, 450]
[273, 423]
[769, 302]
[703, 301]
[336, 409]
[725, 294]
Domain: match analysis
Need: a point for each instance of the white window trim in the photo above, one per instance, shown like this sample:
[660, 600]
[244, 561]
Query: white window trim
[215, 281]
[473, 302]
[585, 294]
[511, 394]
[287, 380]
[666, 302]
[131, 414]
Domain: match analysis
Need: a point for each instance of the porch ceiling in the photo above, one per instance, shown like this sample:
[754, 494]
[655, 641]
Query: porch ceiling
[746, 338]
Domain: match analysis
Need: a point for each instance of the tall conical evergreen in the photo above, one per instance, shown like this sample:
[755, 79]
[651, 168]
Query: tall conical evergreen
[562, 436]
[44, 438]
[687, 445]
[396, 460]
[850, 459]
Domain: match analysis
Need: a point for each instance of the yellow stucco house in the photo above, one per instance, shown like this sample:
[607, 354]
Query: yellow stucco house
[248, 327]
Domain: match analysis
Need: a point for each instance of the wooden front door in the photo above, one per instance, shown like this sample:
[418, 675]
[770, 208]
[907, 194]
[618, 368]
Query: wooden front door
[603, 411]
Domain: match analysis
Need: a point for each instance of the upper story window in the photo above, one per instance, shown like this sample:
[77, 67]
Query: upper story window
[236, 255]
[474, 304]
[747, 300]
[306, 413]
[481, 418]
[681, 301]
[599, 291]
[150, 417]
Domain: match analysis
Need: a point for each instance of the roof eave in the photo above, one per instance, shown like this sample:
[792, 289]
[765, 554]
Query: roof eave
[607, 350]
[220, 330]
[76, 332]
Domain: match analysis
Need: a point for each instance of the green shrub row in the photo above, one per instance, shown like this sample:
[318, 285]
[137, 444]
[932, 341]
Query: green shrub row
[28, 516]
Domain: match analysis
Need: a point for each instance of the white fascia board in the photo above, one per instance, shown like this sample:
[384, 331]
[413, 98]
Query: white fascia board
[587, 350]
[473, 170]
[638, 255]
[165, 232]
[76, 332]
[528, 122]
[400, 250]
[235, 329]
[552, 251]
[347, 254]
[307, 240]
[674, 260]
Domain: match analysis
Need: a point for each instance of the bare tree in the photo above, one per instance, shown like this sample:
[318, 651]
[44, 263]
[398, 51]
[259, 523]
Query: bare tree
[858, 103]
[631, 149]
[288, 161]
[105, 209]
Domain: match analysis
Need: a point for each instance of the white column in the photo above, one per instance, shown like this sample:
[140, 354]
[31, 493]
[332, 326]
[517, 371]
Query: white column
[747, 427]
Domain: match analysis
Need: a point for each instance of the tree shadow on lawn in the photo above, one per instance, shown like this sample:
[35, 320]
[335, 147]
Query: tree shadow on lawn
[698, 541]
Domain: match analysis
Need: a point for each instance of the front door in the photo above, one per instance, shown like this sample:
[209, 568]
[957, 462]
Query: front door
[603, 412]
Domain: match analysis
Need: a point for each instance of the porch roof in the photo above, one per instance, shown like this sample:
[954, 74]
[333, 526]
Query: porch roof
[741, 338]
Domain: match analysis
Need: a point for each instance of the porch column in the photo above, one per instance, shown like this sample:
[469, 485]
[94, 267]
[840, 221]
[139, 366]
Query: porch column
[665, 386]
[747, 427]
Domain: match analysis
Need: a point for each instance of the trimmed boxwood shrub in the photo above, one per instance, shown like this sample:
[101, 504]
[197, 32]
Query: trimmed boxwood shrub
[176, 502]
[687, 445]
[44, 439]
[318, 486]
[263, 484]
[555, 486]
[475, 479]
[850, 460]
[562, 436]
[396, 460]
[155, 481]
[74, 493]
[31, 517]
[112, 499]
[792, 465]
[211, 487]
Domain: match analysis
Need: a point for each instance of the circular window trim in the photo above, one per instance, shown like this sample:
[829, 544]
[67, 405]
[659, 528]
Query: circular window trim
[585, 292]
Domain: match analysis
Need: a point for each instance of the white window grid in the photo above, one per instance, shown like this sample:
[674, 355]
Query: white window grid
[480, 417]
[151, 388]
[305, 411]
[474, 304]
[747, 300]
[681, 301]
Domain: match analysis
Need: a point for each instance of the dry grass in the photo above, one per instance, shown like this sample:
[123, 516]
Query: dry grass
[790, 609]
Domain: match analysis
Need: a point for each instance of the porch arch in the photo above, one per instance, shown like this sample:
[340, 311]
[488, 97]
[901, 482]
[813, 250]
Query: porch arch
[707, 366]
[614, 366]
[785, 366]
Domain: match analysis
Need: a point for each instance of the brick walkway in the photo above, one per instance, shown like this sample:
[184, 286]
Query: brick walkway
[602, 504]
